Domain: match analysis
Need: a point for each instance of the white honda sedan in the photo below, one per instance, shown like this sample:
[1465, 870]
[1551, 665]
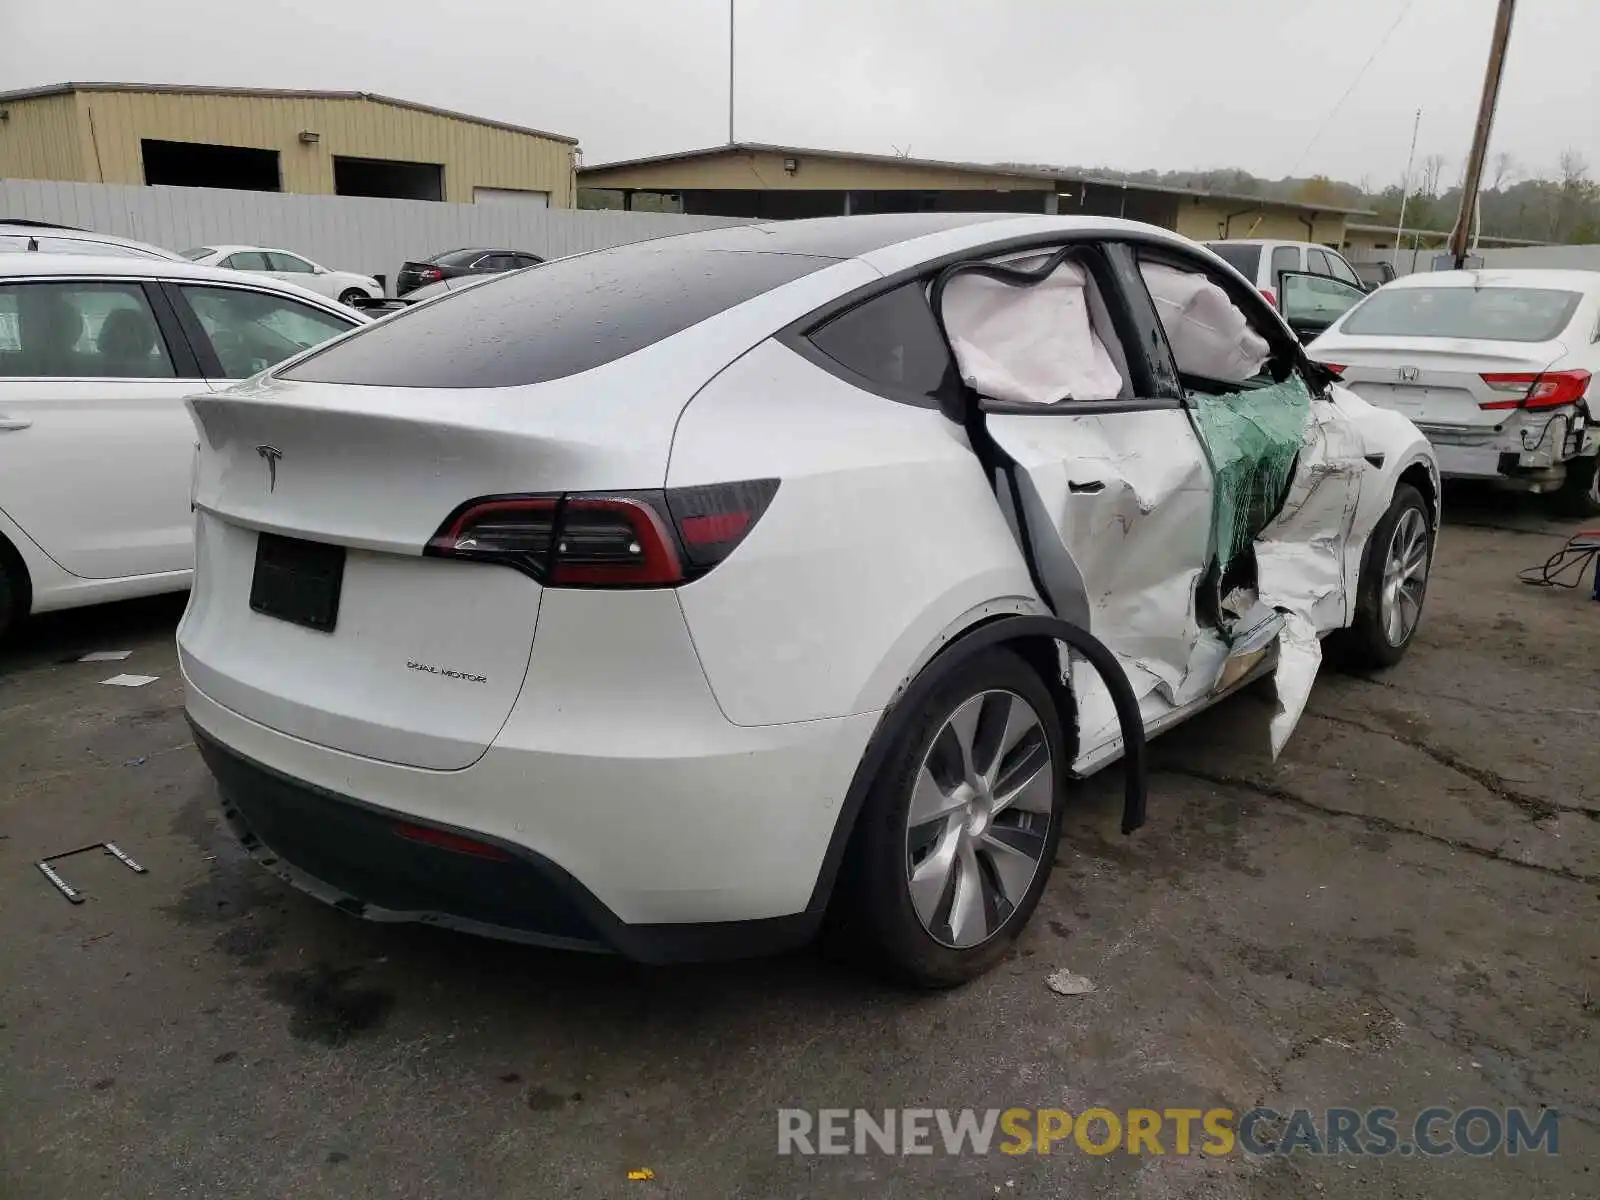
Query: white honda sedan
[670, 596]
[96, 447]
[1499, 368]
[347, 287]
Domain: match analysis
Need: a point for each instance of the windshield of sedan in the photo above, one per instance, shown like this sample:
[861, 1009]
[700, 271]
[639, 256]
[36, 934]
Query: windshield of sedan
[1497, 314]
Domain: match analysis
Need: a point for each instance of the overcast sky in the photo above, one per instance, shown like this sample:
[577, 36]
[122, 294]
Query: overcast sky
[1123, 83]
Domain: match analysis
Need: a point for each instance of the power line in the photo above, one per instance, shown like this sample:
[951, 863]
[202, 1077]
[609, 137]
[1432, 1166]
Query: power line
[1334, 111]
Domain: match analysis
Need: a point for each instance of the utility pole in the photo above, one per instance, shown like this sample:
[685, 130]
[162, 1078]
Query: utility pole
[730, 72]
[1405, 191]
[1480, 135]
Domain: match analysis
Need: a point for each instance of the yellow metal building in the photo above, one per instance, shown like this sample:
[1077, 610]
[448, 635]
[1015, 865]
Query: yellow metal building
[755, 180]
[316, 143]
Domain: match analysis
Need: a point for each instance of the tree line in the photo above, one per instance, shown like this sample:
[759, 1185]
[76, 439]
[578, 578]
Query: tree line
[1560, 204]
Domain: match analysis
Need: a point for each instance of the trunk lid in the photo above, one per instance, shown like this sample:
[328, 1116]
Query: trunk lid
[426, 656]
[1436, 382]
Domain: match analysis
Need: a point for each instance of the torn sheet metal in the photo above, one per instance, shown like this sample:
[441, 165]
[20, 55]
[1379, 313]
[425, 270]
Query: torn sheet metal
[1029, 344]
[1300, 561]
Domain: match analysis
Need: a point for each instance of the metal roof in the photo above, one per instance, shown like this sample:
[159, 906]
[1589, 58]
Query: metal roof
[61, 89]
[1042, 175]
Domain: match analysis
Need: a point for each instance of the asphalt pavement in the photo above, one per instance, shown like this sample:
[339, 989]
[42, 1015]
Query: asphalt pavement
[1400, 912]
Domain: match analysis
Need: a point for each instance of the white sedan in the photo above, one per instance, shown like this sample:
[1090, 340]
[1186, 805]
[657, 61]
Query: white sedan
[96, 448]
[1497, 368]
[662, 597]
[346, 287]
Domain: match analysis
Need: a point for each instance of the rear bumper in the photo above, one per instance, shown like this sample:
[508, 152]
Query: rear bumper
[640, 819]
[347, 853]
[1526, 452]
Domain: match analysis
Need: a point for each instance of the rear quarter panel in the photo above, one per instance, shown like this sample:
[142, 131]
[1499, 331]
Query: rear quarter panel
[883, 541]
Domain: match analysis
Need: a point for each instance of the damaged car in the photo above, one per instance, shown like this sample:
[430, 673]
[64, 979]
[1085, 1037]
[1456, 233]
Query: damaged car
[674, 597]
[1497, 368]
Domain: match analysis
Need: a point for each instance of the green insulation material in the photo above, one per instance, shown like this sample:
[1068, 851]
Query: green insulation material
[1253, 438]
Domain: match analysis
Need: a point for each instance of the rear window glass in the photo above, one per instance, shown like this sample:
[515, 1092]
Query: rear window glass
[1243, 259]
[570, 315]
[1499, 314]
[456, 258]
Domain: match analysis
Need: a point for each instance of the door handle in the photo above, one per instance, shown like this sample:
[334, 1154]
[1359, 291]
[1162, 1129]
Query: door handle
[1087, 487]
[10, 423]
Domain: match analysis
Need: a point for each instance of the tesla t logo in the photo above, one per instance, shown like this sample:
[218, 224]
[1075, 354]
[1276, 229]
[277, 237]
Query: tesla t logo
[271, 454]
[1408, 374]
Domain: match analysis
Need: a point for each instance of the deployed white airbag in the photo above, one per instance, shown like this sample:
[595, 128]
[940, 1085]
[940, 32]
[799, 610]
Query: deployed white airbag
[1208, 334]
[1028, 344]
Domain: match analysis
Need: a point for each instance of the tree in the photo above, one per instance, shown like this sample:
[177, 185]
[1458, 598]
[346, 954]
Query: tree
[1432, 169]
[1503, 170]
[1319, 189]
[1575, 197]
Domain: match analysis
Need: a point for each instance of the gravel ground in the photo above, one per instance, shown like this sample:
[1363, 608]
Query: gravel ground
[1400, 912]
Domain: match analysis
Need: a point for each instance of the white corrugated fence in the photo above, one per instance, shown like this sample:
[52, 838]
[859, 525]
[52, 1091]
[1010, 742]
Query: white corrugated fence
[347, 233]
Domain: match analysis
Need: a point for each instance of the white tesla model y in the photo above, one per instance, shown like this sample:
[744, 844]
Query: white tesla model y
[671, 596]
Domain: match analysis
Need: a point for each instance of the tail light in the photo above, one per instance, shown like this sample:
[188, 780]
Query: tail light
[609, 539]
[1336, 368]
[1271, 296]
[1547, 389]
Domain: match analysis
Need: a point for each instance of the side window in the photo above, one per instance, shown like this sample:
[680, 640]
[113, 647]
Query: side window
[528, 260]
[247, 260]
[1343, 270]
[1317, 262]
[1284, 258]
[497, 262]
[251, 331]
[74, 330]
[1217, 344]
[891, 340]
[289, 263]
[1311, 302]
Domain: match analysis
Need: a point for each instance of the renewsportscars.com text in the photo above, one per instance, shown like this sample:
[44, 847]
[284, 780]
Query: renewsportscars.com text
[1431, 1133]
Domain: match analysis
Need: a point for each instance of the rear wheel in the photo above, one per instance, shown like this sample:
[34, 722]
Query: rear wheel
[349, 296]
[1579, 493]
[1394, 584]
[959, 831]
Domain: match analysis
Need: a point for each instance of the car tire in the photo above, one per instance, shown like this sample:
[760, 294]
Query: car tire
[1579, 493]
[349, 296]
[1385, 622]
[917, 885]
[13, 594]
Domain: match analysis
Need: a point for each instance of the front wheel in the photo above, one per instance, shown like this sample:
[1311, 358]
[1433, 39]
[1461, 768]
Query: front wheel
[349, 296]
[1393, 585]
[959, 831]
[1579, 493]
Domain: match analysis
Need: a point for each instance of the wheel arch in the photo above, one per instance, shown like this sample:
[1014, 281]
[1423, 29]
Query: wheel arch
[1422, 476]
[1036, 640]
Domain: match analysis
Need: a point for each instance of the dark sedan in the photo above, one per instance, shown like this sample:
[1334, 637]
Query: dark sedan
[452, 264]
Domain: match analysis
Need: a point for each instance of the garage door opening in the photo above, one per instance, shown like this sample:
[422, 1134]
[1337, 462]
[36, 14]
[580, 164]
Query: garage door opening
[385, 177]
[198, 164]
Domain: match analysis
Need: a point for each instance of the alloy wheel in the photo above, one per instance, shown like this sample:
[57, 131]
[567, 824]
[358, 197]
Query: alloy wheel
[1405, 576]
[981, 807]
